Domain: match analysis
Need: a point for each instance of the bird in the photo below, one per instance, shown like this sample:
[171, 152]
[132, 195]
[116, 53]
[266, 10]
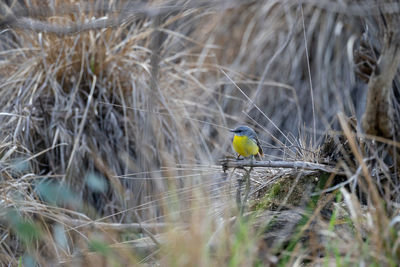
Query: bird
[246, 143]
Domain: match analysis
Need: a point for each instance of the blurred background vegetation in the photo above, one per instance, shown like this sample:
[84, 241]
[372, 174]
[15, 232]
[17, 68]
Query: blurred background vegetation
[114, 115]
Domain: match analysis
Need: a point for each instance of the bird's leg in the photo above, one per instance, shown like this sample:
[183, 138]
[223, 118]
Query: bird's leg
[238, 157]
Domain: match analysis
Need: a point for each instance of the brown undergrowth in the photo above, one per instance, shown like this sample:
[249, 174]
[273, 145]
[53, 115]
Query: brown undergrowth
[114, 114]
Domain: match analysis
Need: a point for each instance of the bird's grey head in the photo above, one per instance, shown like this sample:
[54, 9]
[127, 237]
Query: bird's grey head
[244, 130]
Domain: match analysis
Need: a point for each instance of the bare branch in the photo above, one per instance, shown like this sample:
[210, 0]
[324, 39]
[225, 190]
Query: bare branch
[229, 163]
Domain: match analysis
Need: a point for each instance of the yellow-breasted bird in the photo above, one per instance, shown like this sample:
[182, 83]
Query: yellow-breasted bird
[245, 142]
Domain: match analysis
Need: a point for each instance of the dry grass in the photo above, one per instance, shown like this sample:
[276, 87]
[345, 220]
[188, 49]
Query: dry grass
[114, 114]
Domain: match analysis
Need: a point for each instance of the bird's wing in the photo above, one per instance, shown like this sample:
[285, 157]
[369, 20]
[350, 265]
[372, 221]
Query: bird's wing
[260, 151]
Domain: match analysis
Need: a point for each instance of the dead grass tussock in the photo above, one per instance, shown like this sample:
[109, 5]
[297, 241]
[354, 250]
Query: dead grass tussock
[129, 127]
[130, 117]
[85, 106]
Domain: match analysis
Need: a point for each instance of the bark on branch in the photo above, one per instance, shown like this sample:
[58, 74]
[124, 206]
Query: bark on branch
[303, 165]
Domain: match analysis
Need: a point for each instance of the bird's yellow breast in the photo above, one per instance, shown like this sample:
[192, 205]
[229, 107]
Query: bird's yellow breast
[245, 146]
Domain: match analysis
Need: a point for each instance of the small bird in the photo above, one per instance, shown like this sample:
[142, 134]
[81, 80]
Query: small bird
[245, 142]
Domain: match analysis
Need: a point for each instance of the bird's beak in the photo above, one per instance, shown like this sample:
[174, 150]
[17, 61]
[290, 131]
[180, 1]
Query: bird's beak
[232, 130]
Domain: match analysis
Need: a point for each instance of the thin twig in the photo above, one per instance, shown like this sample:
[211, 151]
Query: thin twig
[152, 237]
[247, 190]
[309, 73]
[81, 126]
[239, 194]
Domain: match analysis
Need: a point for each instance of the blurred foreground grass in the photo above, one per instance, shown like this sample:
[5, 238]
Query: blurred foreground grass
[114, 114]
